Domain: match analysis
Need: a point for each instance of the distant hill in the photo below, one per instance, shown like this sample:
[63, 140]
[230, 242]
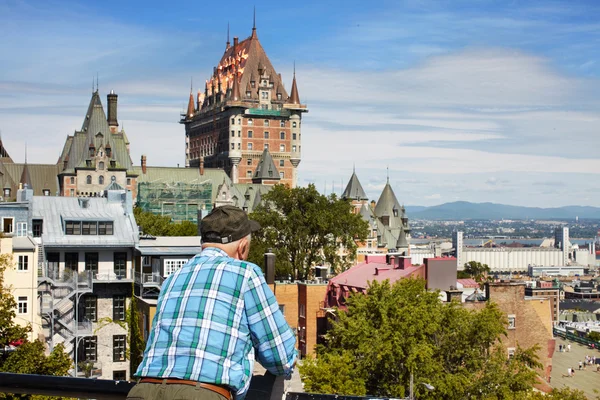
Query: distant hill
[467, 210]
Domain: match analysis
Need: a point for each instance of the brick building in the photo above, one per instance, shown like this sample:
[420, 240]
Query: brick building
[245, 112]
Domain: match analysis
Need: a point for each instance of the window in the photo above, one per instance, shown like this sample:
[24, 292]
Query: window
[7, 225]
[302, 311]
[91, 262]
[239, 146]
[108, 151]
[90, 348]
[282, 147]
[72, 192]
[512, 319]
[119, 308]
[266, 135]
[282, 122]
[249, 146]
[239, 121]
[105, 228]
[293, 136]
[278, 96]
[232, 133]
[281, 174]
[120, 265]
[23, 263]
[248, 94]
[249, 162]
[72, 261]
[88, 163]
[267, 122]
[101, 180]
[6, 192]
[267, 146]
[511, 352]
[22, 305]
[119, 375]
[72, 180]
[128, 181]
[113, 164]
[101, 165]
[118, 348]
[281, 163]
[37, 225]
[173, 265]
[46, 192]
[232, 146]
[294, 124]
[249, 134]
[232, 121]
[89, 227]
[88, 180]
[253, 83]
[72, 227]
[90, 307]
[282, 135]
[248, 174]
[294, 148]
[21, 228]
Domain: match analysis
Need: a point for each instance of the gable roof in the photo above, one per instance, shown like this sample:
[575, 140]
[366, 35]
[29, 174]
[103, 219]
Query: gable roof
[354, 190]
[40, 177]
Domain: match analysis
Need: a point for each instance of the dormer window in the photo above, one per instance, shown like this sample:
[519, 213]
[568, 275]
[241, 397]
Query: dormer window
[92, 151]
[248, 94]
[253, 84]
[113, 164]
[88, 163]
[108, 152]
[278, 96]
[101, 165]
[264, 95]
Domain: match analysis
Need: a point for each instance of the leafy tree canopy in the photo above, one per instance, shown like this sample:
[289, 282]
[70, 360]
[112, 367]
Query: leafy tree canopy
[402, 328]
[475, 270]
[159, 225]
[304, 229]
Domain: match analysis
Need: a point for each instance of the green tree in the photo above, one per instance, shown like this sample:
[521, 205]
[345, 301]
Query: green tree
[402, 329]
[9, 331]
[136, 341]
[304, 229]
[475, 270]
[595, 336]
[160, 225]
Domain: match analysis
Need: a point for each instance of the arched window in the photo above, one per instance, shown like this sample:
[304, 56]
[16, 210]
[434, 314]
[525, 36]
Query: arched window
[88, 180]
[101, 180]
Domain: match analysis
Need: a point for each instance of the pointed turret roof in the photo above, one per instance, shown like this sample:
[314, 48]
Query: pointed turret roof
[354, 190]
[190, 107]
[266, 169]
[294, 97]
[26, 177]
[388, 205]
[402, 243]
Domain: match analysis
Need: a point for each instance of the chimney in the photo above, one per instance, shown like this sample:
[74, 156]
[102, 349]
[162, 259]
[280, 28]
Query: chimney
[112, 111]
[143, 164]
[235, 43]
[454, 295]
[201, 165]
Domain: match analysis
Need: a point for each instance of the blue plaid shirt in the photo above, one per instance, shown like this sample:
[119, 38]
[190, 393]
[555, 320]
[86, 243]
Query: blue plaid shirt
[212, 315]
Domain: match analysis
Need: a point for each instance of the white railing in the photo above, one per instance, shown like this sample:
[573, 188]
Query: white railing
[111, 276]
[152, 279]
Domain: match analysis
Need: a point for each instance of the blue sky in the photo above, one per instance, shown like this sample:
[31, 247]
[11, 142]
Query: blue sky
[464, 100]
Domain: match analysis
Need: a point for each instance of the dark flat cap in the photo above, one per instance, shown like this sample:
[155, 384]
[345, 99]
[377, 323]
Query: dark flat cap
[226, 224]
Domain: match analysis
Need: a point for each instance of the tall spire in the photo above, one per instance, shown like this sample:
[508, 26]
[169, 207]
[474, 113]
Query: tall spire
[228, 43]
[25, 176]
[294, 97]
[97, 82]
[254, 25]
[190, 108]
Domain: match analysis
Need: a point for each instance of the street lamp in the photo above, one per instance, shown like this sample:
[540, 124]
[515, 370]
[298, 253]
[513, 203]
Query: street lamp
[428, 386]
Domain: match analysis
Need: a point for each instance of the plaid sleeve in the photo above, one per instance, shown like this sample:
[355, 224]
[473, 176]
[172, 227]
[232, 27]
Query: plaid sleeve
[273, 339]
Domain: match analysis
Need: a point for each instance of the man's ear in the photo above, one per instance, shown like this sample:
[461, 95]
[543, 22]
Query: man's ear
[243, 249]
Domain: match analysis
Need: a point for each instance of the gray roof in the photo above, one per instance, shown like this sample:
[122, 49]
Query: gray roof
[95, 132]
[41, 176]
[354, 190]
[266, 169]
[54, 210]
[114, 186]
[401, 243]
[387, 204]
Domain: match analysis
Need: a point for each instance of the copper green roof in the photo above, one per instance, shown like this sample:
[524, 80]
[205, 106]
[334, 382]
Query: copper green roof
[95, 133]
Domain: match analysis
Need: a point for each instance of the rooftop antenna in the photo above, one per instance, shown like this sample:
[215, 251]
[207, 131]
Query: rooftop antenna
[254, 20]
[353, 168]
[191, 84]
[97, 82]
[25, 152]
[388, 173]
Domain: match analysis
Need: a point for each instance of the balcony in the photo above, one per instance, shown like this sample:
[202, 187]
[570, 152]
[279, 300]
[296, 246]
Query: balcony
[121, 276]
[149, 279]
